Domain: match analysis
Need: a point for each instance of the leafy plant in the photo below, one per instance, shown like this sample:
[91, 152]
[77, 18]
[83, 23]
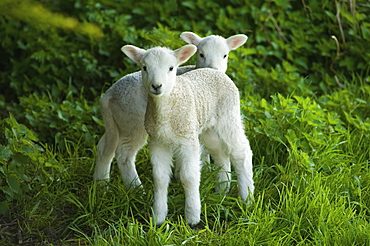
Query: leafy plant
[21, 160]
[72, 118]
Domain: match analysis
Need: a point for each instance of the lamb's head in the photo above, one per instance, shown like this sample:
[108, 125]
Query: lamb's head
[158, 66]
[213, 50]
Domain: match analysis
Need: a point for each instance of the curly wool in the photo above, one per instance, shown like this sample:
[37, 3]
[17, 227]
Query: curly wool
[197, 100]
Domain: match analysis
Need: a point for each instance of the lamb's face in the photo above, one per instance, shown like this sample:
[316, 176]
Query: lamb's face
[213, 50]
[213, 53]
[158, 68]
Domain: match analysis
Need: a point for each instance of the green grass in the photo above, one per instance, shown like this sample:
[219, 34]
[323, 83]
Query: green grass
[311, 170]
[312, 188]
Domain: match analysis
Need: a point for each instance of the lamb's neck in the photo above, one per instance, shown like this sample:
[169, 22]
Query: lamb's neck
[173, 115]
[158, 108]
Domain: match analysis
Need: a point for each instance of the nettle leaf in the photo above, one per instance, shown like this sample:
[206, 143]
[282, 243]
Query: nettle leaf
[9, 192]
[2, 170]
[4, 207]
[5, 152]
[292, 138]
[14, 182]
[19, 159]
[306, 161]
[189, 4]
[333, 118]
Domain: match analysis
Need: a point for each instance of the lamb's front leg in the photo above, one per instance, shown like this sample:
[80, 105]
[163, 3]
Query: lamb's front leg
[189, 161]
[161, 158]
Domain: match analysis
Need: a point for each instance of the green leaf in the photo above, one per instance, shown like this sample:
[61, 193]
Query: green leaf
[4, 207]
[189, 4]
[14, 183]
[5, 152]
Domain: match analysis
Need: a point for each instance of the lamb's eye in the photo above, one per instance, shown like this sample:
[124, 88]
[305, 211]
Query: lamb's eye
[144, 68]
[225, 56]
[201, 55]
[171, 68]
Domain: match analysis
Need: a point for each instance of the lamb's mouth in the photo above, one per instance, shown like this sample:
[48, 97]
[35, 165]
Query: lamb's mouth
[156, 93]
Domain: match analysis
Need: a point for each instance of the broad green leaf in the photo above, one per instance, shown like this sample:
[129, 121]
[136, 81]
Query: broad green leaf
[4, 207]
[13, 182]
[5, 152]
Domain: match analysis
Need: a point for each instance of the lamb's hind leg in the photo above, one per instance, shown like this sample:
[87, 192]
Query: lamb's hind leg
[105, 152]
[127, 150]
[221, 158]
[108, 143]
[241, 158]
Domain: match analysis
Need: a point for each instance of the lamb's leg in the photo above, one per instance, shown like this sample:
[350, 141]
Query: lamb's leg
[221, 158]
[161, 158]
[105, 152]
[241, 156]
[189, 161]
[205, 158]
[108, 143]
[126, 155]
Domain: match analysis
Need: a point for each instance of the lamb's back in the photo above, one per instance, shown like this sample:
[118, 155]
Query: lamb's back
[127, 98]
[214, 93]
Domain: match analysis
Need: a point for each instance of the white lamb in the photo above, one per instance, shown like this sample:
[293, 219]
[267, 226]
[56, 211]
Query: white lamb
[213, 50]
[202, 104]
[123, 108]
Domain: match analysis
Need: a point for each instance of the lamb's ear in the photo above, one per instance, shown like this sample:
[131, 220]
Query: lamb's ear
[133, 52]
[190, 38]
[236, 41]
[184, 53]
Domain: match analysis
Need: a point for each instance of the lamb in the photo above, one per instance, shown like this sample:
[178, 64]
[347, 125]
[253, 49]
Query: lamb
[183, 112]
[213, 50]
[123, 109]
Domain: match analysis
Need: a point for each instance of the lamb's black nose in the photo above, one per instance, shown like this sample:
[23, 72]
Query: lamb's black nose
[156, 87]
